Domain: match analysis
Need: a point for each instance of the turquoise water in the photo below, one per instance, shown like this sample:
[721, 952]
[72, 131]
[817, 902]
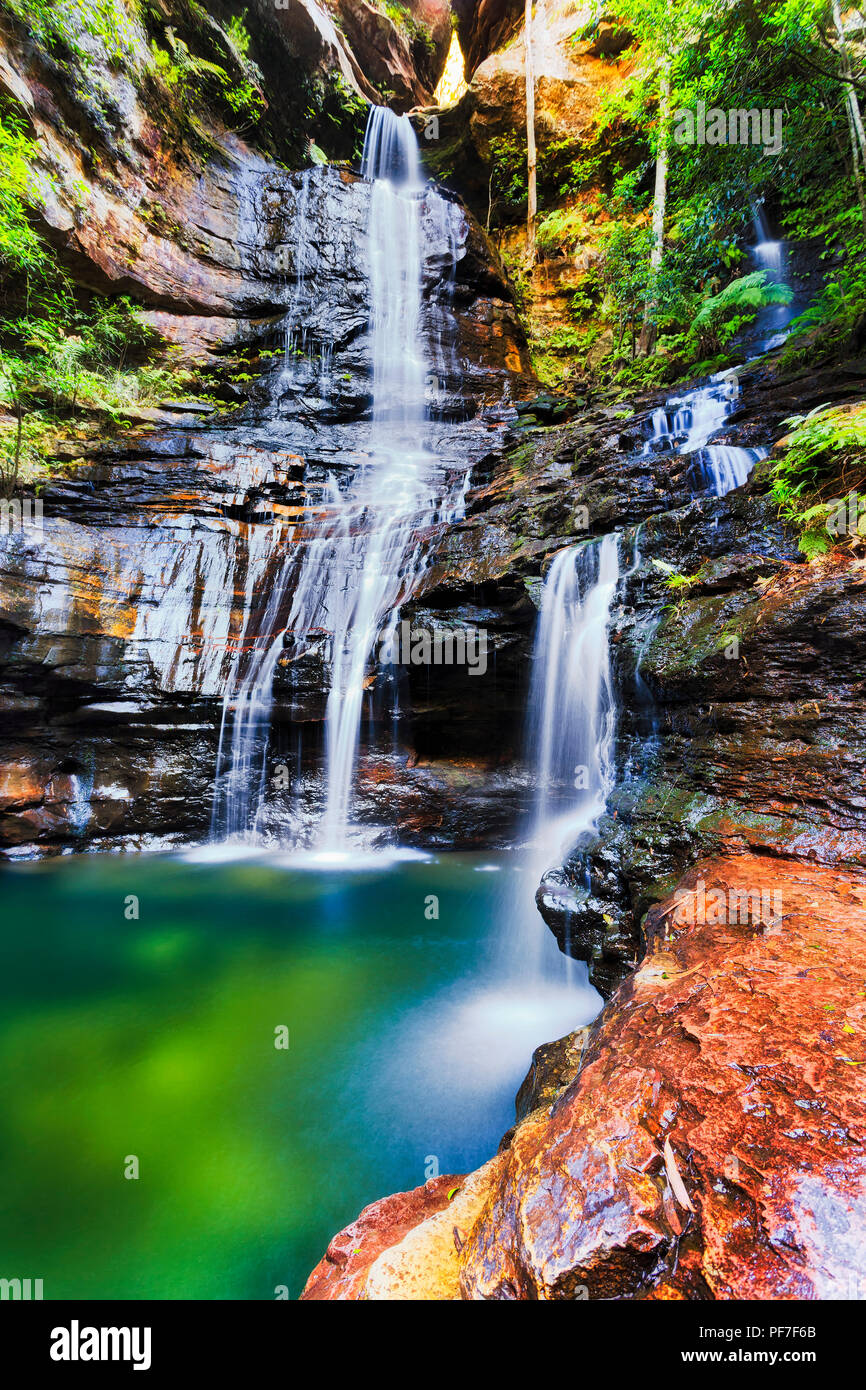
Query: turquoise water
[154, 1040]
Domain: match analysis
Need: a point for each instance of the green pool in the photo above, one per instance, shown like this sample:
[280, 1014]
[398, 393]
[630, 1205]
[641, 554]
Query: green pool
[148, 1044]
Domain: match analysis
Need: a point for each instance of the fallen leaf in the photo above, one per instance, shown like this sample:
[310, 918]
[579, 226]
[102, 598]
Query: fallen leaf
[677, 1185]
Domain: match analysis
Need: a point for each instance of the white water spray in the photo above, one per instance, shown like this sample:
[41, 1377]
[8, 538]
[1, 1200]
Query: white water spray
[571, 727]
[687, 423]
[355, 570]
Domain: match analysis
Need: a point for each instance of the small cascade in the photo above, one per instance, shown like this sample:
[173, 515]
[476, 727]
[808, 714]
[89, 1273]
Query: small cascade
[770, 256]
[391, 150]
[572, 710]
[571, 727]
[247, 704]
[686, 424]
[728, 466]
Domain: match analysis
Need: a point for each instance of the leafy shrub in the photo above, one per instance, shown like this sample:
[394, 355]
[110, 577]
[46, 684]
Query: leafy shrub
[824, 461]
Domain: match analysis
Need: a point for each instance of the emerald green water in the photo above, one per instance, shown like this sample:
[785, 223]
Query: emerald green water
[156, 1038]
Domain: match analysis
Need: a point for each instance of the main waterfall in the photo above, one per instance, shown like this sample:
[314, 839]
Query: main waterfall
[359, 563]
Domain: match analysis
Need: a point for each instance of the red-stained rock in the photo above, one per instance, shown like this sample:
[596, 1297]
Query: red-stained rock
[406, 1248]
[743, 1046]
[342, 1272]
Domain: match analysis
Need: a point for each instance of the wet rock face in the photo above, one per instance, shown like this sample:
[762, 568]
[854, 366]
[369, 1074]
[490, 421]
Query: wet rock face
[187, 219]
[405, 1247]
[387, 58]
[554, 1066]
[122, 618]
[719, 1162]
[739, 690]
[317, 226]
[132, 206]
[762, 750]
[710, 1144]
[342, 1272]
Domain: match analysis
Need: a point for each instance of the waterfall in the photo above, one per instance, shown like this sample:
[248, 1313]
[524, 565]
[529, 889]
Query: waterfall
[246, 717]
[572, 709]
[729, 467]
[348, 576]
[767, 252]
[770, 256]
[571, 727]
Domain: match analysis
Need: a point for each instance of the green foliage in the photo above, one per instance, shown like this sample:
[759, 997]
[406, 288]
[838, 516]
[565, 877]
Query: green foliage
[777, 55]
[403, 19]
[561, 229]
[82, 32]
[63, 356]
[625, 276]
[20, 247]
[681, 581]
[508, 176]
[725, 313]
[239, 34]
[341, 116]
[824, 460]
[193, 78]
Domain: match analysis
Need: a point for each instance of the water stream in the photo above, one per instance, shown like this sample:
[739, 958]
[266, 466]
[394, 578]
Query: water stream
[365, 556]
[686, 425]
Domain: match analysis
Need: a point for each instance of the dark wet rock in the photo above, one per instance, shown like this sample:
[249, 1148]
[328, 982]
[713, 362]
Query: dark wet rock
[554, 1066]
[759, 751]
[136, 590]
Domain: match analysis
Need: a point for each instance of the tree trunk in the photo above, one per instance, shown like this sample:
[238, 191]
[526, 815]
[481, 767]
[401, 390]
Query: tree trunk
[531, 158]
[852, 110]
[847, 72]
[16, 465]
[648, 332]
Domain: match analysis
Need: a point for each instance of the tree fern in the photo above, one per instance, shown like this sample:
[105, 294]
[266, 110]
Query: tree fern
[741, 297]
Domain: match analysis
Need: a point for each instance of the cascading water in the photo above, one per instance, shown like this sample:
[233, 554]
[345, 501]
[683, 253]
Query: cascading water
[771, 257]
[531, 991]
[687, 423]
[571, 726]
[572, 709]
[349, 578]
